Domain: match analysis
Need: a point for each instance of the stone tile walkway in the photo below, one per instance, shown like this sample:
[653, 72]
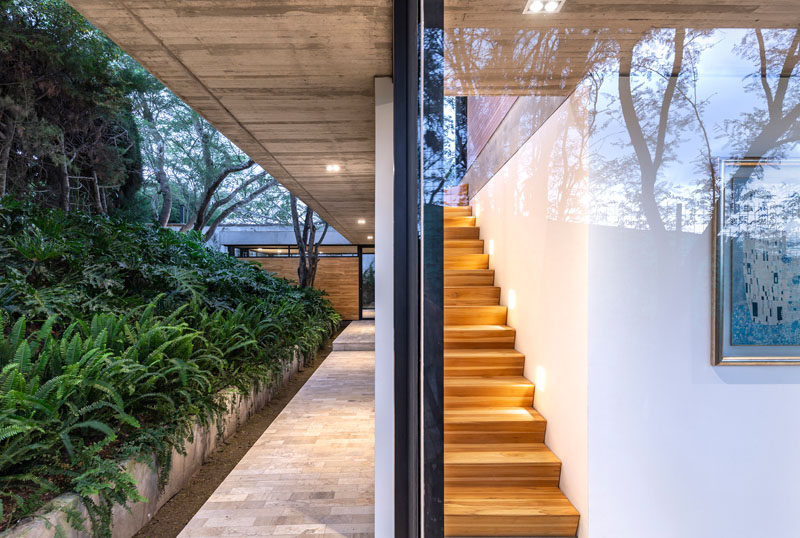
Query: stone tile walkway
[358, 336]
[312, 471]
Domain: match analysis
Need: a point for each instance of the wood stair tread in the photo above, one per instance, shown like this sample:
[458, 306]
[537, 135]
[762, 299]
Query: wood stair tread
[471, 295]
[507, 500]
[505, 453]
[491, 417]
[464, 210]
[483, 362]
[500, 478]
[483, 353]
[468, 277]
[461, 232]
[462, 243]
[475, 314]
[484, 381]
[479, 336]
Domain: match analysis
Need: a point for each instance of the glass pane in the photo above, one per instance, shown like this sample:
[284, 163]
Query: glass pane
[591, 142]
[368, 285]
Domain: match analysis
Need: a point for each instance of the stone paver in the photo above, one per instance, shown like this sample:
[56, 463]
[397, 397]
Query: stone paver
[357, 336]
[312, 471]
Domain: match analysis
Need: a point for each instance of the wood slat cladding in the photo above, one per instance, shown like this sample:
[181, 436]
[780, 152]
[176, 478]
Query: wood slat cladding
[337, 276]
[291, 83]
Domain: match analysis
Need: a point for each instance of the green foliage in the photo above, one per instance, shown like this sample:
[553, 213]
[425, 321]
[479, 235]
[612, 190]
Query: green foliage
[64, 101]
[115, 339]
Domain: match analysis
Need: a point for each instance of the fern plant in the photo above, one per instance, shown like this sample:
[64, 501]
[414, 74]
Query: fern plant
[116, 341]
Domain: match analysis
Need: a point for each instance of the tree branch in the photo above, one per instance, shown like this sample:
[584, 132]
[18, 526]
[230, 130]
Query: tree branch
[762, 52]
[230, 209]
[212, 189]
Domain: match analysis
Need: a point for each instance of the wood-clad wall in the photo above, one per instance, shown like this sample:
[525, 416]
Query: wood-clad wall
[337, 276]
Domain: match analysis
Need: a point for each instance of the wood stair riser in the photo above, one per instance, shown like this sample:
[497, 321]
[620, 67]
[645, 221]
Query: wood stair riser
[511, 525]
[495, 338]
[492, 437]
[471, 295]
[475, 315]
[466, 261]
[454, 402]
[500, 479]
[497, 362]
[464, 243]
[461, 232]
[458, 221]
[458, 211]
[508, 511]
[482, 370]
[489, 474]
[474, 277]
[470, 426]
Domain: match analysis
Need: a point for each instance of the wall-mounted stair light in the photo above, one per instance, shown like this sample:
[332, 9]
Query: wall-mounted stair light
[533, 7]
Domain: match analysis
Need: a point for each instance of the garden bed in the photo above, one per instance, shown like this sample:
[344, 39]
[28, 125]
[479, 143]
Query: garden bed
[55, 521]
[120, 343]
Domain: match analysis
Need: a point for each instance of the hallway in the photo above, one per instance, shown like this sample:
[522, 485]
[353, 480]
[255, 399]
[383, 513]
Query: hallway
[311, 472]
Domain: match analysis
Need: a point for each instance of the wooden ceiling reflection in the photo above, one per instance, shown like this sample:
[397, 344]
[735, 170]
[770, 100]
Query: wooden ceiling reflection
[290, 82]
[491, 48]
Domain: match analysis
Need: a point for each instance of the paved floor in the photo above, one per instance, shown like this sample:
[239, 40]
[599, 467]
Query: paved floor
[311, 472]
[358, 336]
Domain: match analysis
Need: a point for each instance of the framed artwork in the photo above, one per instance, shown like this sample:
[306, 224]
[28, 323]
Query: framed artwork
[757, 263]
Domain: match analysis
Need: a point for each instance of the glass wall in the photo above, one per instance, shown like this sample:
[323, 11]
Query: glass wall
[368, 283]
[635, 174]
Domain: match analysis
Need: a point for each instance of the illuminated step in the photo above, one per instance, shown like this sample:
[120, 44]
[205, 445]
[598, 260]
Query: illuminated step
[492, 425]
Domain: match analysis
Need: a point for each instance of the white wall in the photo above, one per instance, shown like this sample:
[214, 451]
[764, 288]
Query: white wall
[677, 447]
[384, 308]
[541, 267]
[616, 327]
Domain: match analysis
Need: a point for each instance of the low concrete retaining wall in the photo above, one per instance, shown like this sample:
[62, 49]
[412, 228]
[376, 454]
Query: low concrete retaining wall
[54, 522]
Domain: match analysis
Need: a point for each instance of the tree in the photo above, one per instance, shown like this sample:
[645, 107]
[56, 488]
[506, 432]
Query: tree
[66, 133]
[307, 243]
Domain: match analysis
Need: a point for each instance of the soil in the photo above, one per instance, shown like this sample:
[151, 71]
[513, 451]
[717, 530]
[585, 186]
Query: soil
[173, 516]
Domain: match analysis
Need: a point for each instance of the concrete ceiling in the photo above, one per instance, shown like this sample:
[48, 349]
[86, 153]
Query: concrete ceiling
[289, 82]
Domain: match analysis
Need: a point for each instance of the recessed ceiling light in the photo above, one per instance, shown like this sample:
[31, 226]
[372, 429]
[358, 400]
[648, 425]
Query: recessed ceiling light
[370, 237]
[362, 221]
[543, 6]
[536, 6]
[333, 168]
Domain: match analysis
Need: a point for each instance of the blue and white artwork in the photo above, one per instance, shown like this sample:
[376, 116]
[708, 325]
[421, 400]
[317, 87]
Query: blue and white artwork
[763, 259]
[765, 289]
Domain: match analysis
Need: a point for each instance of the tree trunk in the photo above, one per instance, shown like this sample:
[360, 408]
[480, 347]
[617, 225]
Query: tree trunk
[98, 198]
[315, 256]
[648, 164]
[161, 175]
[307, 244]
[65, 186]
[5, 153]
[301, 239]
[163, 185]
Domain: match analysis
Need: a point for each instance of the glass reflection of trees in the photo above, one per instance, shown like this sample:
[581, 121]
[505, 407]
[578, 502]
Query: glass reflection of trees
[685, 103]
[658, 111]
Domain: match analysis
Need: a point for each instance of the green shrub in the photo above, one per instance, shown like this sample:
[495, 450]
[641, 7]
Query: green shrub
[115, 339]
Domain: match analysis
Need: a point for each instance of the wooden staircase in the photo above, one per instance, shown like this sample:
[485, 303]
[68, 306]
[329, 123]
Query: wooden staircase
[500, 478]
